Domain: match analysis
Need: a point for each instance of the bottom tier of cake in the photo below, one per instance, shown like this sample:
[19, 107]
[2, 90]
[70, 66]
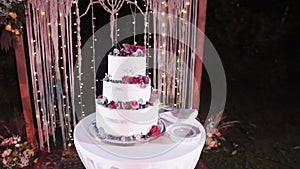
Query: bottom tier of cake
[126, 122]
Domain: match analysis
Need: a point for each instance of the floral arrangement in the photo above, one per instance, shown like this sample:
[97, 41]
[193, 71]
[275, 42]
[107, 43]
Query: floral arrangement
[140, 80]
[129, 50]
[129, 105]
[17, 154]
[13, 13]
[215, 137]
[154, 131]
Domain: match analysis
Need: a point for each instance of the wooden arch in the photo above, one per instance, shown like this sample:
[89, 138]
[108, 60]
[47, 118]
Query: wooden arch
[24, 84]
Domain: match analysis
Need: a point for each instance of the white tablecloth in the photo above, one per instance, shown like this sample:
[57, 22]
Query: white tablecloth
[161, 153]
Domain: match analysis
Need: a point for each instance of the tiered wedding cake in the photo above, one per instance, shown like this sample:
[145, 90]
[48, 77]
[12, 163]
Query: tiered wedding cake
[127, 108]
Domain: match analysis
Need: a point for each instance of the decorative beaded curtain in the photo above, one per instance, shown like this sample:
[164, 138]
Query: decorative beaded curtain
[49, 30]
[173, 59]
[112, 7]
[174, 50]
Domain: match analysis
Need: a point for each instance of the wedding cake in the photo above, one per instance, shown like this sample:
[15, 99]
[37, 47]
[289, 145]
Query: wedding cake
[127, 108]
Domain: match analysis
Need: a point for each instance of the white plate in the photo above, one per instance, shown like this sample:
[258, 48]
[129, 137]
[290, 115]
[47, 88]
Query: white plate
[184, 132]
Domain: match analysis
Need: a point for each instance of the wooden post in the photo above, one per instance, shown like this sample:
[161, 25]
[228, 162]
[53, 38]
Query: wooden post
[24, 91]
[199, 52]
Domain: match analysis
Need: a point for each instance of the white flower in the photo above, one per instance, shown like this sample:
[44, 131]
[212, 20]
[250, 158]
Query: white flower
[24, 161]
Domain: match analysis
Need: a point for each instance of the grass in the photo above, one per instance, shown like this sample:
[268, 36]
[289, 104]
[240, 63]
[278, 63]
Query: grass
[267, 136]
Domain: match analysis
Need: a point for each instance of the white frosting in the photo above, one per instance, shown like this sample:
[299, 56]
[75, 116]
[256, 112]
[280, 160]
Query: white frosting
[123, 122]
[126, 122]
[119, 66]
[125, 92]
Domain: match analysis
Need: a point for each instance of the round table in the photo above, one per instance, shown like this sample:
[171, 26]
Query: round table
[160, 153]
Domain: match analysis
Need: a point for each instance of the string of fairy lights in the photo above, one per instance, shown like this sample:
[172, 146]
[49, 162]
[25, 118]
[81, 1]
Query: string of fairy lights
[50, 37]
[173, 71]
[51, 64]
[115, 34]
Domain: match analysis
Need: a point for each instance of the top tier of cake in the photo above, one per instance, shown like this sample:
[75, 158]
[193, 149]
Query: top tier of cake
[119, 66]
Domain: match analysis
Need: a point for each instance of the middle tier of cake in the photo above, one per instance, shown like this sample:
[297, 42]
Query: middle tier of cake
[126, 92]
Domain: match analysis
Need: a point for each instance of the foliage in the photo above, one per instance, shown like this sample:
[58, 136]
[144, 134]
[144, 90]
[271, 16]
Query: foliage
[12, 17]
[17, 154]
[14, 151]
[13, 12]
[215, 137]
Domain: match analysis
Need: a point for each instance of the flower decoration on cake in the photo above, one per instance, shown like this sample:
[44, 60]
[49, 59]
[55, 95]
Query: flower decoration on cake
[135, 80]
[128, 105]
[140, 80]
[138, 137]
[134, 104]
[106, 77]
[112, 105]
[125, 79]
[155, 131]
[116, 52]
[102, 100]
[129, 50]
[152, 99]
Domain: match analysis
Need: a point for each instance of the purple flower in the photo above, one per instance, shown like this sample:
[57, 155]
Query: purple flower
[146, 79]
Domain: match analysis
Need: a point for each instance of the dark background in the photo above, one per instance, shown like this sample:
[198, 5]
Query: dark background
[258, 43]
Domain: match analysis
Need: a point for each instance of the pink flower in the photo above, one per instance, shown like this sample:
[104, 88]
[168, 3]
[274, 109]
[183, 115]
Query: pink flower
[135, 80]
[6, 153]
[155, 130]
[142, 48]
[217, 132]
[213, 144]
[4, 161]
[125, 79]
[112, 105]
[134, 104]
[132, 48]
[152, 100]
[126, 46]
[7, 141]
[100, 97]
[208, 140]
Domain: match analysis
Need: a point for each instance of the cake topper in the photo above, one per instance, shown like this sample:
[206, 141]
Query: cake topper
[130, 50]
